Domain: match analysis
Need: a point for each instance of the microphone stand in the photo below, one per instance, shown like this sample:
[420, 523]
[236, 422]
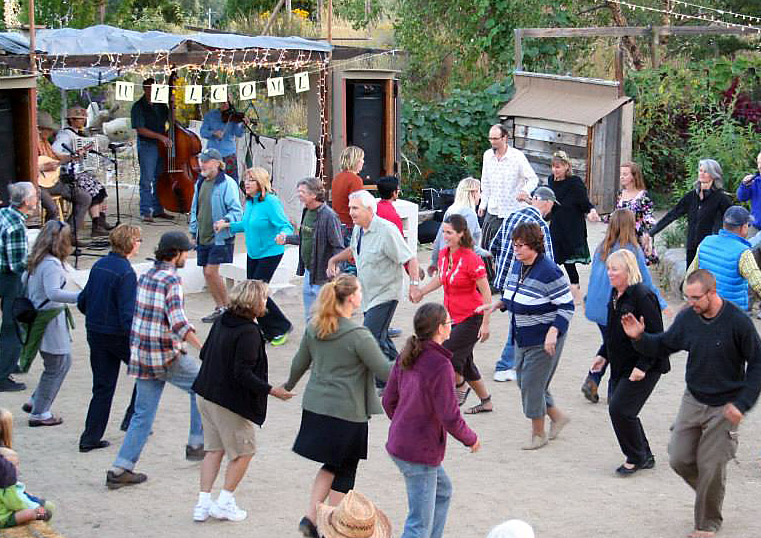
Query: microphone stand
[115, 161]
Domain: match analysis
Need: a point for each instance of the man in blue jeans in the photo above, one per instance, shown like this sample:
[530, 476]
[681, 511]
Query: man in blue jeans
[160, 331]
[542, 202]
[150, 119]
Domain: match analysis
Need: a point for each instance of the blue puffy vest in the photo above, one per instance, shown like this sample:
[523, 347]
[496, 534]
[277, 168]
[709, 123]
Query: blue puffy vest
[720, 254]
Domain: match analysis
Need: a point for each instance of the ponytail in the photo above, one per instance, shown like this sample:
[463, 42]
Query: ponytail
[332, 296]
[427, 321]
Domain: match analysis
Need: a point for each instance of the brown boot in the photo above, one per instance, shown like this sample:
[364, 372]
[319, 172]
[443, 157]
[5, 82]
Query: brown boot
[97, 229]
[104, 223]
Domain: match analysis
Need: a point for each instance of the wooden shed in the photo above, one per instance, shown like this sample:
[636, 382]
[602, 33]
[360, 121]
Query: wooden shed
[587, 118]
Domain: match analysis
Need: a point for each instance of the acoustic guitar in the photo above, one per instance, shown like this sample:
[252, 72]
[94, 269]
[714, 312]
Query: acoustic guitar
[47, 180]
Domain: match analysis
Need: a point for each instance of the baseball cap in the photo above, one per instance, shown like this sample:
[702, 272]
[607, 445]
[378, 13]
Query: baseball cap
[174, 241]
[736, 216]
[209, 154]
[544, 193]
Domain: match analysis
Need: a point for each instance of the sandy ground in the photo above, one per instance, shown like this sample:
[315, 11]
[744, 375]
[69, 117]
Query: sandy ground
[568, 489]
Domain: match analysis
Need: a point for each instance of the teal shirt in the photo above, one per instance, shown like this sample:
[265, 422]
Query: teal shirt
[262, 221]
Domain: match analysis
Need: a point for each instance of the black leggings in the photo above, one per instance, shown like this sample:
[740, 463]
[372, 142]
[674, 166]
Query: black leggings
[344, 475]
[573, 274]
[273, 323]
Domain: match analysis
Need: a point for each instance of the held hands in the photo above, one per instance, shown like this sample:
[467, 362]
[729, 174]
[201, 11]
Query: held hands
[432, 270]
[637, 375]
[592, 216]
[475, 447]
[415, 294]
[633, 327]
[221, 225]
[732, 414]
[598, 364]
[550, 341]
[281, 393]
[332, 270]
[488, 308]
[280, 238]
[523, 197]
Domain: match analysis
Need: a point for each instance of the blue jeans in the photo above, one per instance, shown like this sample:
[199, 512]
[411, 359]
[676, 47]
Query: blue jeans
[151, 165]
[507, 360]
[429, 491]
[309, 294]
[182, 373]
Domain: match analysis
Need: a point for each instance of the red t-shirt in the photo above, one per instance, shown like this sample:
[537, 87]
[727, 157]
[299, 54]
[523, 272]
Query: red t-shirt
[343, 185]
[461, 296]
[387, 211]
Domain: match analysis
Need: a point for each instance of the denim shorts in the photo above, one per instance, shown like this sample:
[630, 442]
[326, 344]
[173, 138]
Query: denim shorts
[214, 254]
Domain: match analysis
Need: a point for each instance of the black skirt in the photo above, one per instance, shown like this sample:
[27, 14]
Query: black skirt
[330, 440]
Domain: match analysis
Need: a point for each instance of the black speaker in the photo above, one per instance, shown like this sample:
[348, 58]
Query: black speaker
[8, 170]
[365, 129]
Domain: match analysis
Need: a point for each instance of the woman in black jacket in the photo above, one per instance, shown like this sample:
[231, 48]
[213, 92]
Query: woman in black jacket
[704, 206]
[232, 388]
[633, 376]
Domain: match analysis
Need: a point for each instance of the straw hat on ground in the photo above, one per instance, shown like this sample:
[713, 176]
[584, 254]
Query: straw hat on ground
[513, 528]
[354, 517]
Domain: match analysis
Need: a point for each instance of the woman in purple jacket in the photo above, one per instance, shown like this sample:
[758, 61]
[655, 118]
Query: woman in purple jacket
[422, 407]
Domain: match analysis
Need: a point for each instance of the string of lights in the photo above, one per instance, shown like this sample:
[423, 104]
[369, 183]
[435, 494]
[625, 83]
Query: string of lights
[686, 16]
[719, 11]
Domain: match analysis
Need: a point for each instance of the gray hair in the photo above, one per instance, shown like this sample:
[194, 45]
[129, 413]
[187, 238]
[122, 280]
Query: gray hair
[713, 169]
[315, 186]
[366, 199]
[20, 192]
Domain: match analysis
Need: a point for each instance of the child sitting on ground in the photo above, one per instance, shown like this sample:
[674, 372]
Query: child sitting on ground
[17, 506]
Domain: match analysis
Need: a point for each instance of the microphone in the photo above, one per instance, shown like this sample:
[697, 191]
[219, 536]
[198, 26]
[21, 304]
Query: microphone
[67, 148]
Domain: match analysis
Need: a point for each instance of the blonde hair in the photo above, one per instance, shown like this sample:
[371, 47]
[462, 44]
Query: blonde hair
[6, 428]
[262, 178]
[626, 259]
[350, 157]
[332, 296]
[247, 299]
[463, 196]
[123, 238]
[621, 230]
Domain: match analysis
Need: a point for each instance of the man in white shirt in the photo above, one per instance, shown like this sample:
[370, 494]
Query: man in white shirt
[507, 181]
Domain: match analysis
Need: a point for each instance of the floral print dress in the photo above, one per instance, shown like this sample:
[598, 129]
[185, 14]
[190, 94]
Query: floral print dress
[642, 207]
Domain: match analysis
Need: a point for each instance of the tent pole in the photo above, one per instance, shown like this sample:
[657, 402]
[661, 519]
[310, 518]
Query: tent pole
[33, 96]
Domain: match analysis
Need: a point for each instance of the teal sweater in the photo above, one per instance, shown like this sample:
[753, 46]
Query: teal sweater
[262, 221]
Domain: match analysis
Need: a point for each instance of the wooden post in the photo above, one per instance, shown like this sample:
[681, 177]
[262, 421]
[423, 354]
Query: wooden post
[330, 21]
[655, 44]
[620, 69]
[518, 34]
[33, 95]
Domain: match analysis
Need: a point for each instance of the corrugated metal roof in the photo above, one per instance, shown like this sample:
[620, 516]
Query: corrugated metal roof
[581, 101]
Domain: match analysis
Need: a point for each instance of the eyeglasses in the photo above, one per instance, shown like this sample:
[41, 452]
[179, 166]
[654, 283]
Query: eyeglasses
[692, 298]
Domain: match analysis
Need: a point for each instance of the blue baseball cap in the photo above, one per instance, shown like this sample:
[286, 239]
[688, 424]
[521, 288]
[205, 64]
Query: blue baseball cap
[736, 216]
[209, 154]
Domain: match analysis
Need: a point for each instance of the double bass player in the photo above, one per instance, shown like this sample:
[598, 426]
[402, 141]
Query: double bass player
[150, 121]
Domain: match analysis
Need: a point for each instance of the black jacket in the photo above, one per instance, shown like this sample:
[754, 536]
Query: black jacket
[618, 349]
[704, 217]
[7, 473]
[234, 368]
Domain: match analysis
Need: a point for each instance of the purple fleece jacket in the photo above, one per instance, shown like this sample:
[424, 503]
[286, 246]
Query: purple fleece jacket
[422, 406]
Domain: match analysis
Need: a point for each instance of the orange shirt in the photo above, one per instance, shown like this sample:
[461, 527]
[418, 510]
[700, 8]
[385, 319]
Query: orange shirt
[343, 185]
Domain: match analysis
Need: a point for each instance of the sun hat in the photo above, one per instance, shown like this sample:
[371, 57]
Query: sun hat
[354, 517]
[45, 121]
[76, 112]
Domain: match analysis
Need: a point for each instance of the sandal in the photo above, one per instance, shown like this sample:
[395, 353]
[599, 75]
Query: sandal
[462, 395]
[480, 408]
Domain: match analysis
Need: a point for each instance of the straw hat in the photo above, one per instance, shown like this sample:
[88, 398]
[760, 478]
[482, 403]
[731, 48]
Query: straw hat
[76, 112]
[45, 121]
[513, 528]
[354, 517]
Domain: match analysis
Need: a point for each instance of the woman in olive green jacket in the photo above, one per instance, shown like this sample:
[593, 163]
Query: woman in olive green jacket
[340, 395]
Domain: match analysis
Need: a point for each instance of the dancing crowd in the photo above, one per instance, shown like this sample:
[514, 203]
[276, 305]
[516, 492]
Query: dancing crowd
[533, 236]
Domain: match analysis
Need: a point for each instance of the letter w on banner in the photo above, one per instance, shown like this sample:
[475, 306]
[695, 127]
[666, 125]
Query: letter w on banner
[125, 91]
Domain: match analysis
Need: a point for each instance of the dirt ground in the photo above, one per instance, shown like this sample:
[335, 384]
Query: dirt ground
[568, 489]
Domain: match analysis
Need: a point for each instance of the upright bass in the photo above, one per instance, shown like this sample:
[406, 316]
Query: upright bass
[176, 185]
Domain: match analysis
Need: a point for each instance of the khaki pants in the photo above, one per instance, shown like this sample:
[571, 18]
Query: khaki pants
[702, 443]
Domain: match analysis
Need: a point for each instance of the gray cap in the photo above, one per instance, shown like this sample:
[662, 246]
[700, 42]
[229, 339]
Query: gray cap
[174, 241]
[209, 154]
[544, 193]
[736, 216]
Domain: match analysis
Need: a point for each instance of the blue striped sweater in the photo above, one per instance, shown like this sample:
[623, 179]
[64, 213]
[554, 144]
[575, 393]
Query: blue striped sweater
[541, 301]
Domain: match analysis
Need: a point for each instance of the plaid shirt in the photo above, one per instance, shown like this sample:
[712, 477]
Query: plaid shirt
[159, 325]
[502, 244]
[13, 244]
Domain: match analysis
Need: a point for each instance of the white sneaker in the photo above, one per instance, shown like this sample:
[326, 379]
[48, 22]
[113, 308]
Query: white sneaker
[229, 511]
[504, 375]
[201, 511]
